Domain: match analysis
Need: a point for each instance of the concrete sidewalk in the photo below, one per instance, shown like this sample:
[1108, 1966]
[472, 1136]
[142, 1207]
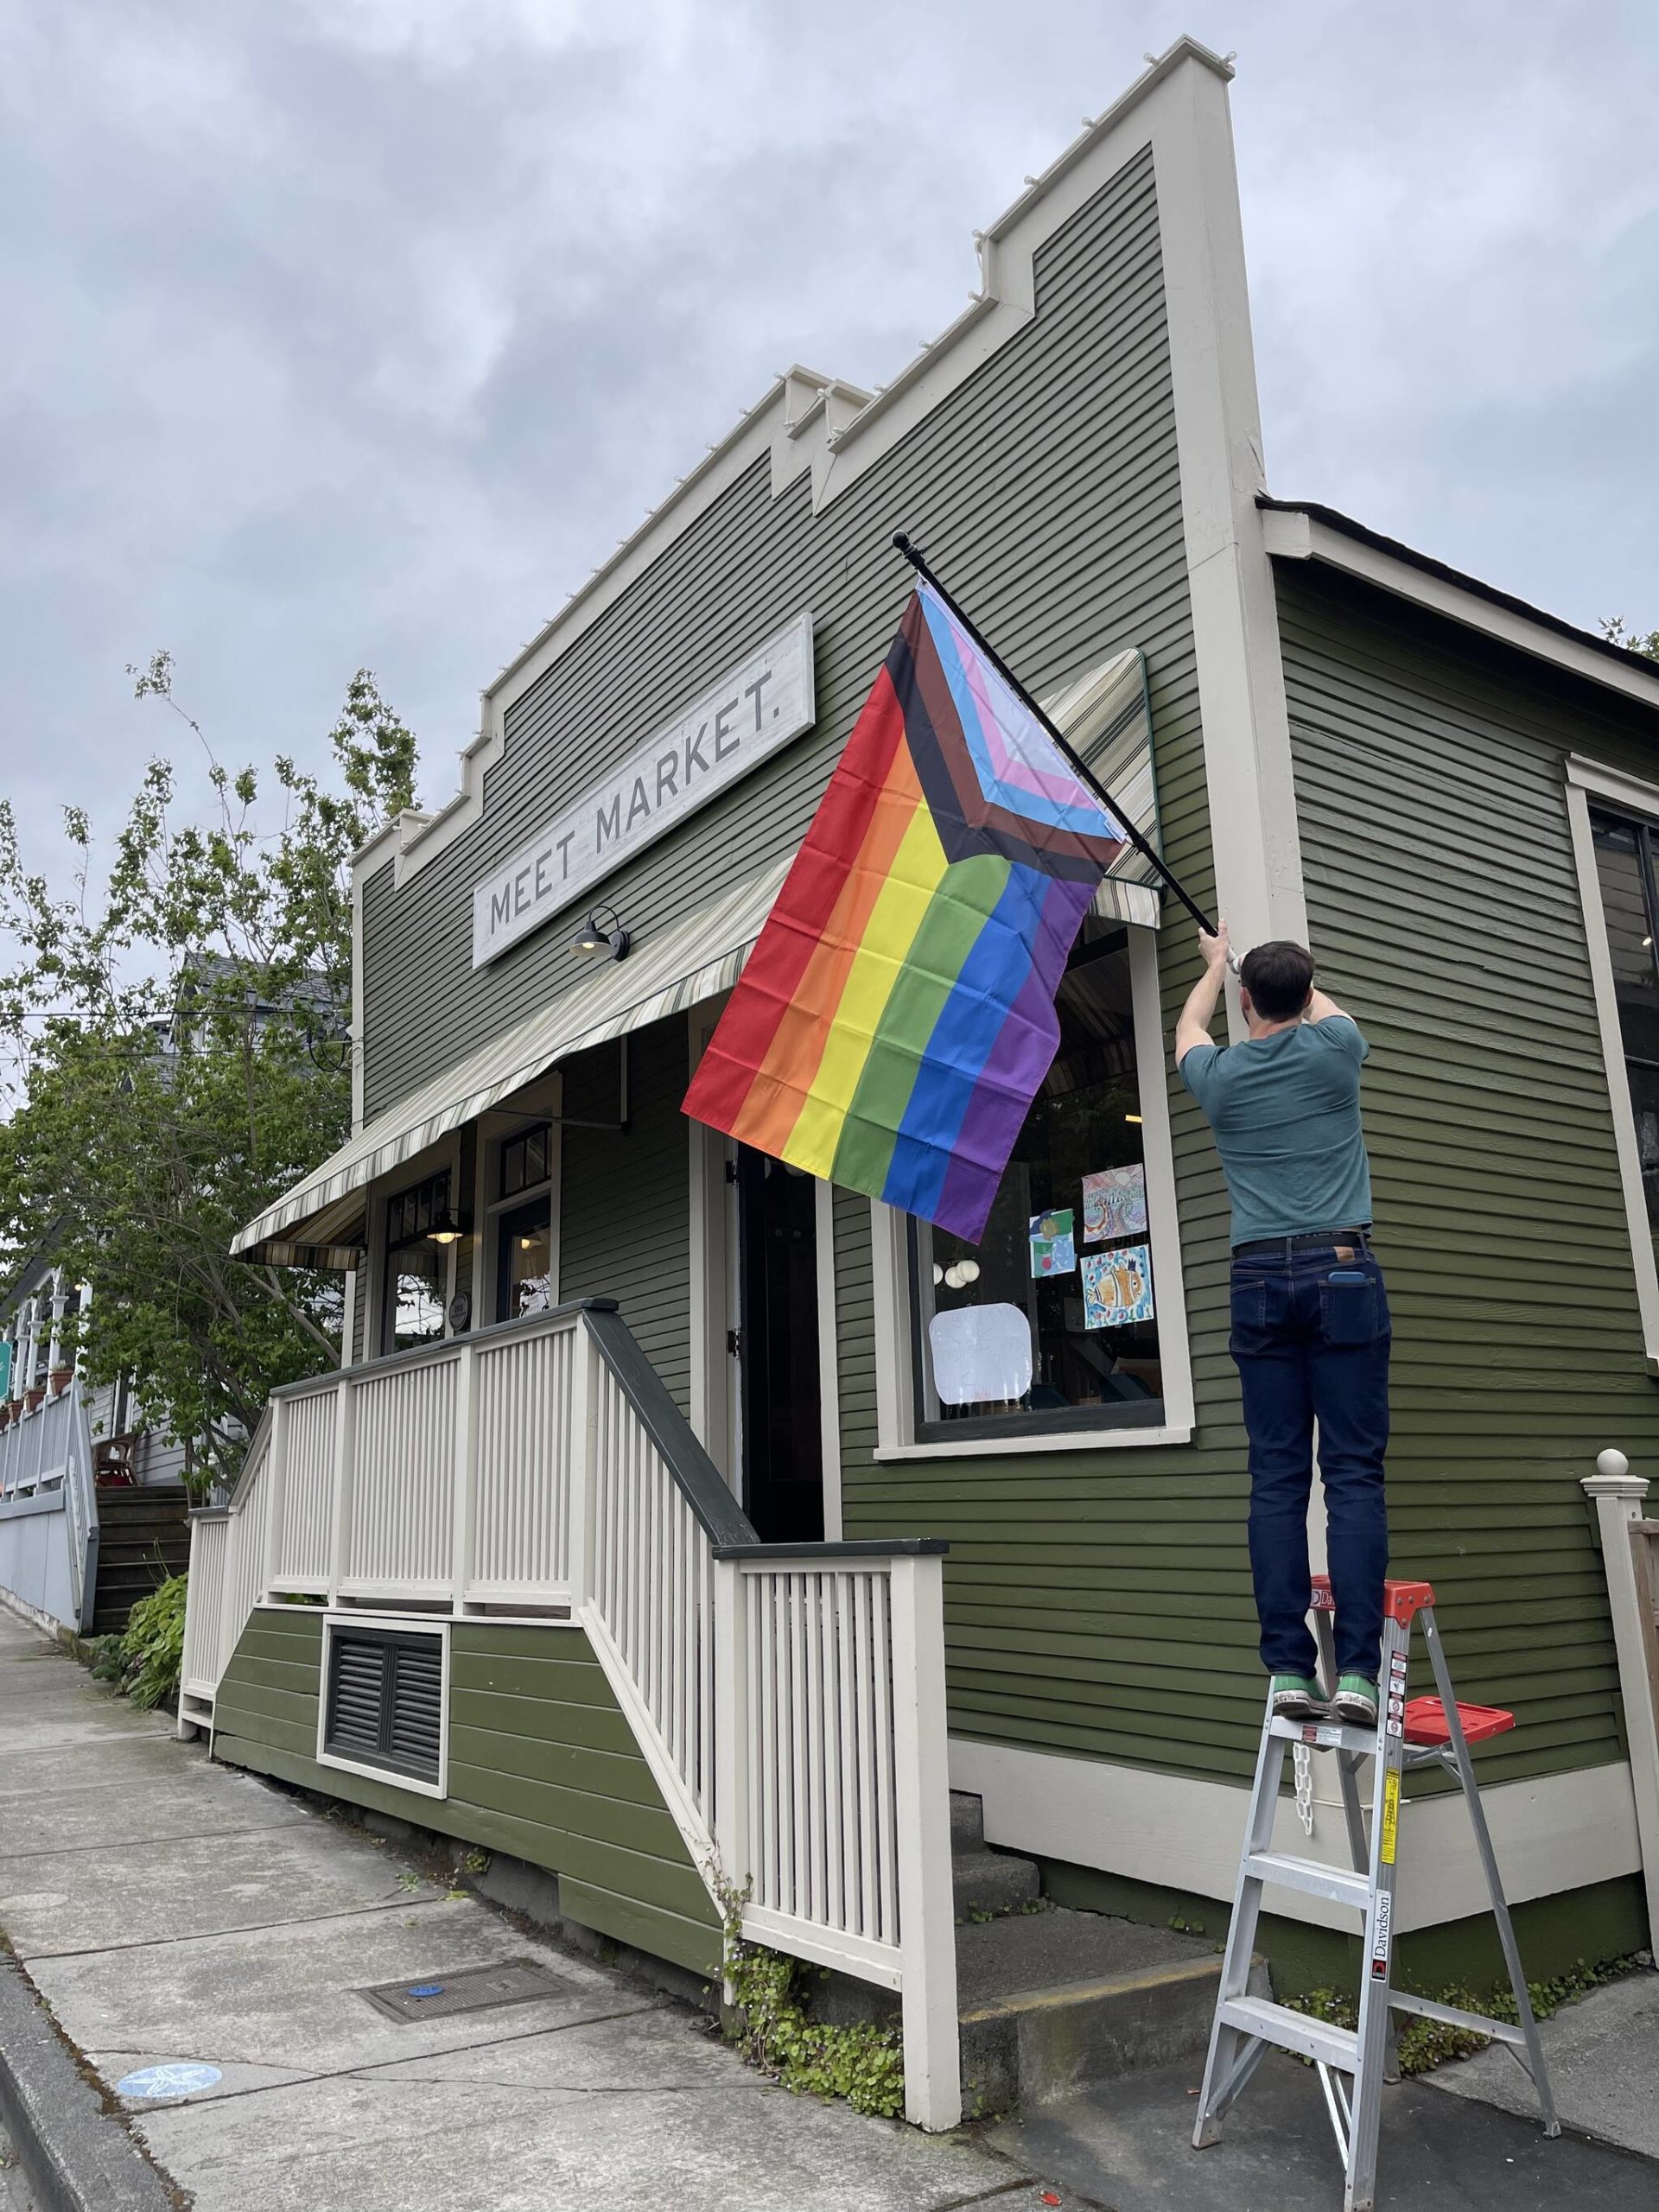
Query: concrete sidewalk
[174, 1912]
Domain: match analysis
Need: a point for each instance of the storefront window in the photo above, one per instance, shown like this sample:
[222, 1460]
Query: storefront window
[523, 1161]
[417, 1270]
[523, 1254]
[523, 1218]
[1050, 1322]
[1624, 864]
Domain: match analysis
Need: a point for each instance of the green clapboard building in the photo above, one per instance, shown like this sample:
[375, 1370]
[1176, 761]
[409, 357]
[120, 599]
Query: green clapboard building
[618, 1544]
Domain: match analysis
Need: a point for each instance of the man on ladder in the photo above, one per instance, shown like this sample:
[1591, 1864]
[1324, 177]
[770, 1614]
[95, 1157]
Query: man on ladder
[1310, 1315]
[1311, 1337]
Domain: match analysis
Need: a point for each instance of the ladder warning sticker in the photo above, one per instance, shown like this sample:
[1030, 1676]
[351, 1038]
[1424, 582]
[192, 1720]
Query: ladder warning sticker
[1390, 1816]
[1380, 1935]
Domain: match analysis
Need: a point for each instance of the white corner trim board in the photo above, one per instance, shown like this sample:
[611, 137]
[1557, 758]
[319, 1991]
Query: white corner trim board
[807, 423]
[1585, 780]
[1556, 1832]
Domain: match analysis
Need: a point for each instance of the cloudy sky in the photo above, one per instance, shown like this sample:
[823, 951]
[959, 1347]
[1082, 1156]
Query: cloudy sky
[347, 331]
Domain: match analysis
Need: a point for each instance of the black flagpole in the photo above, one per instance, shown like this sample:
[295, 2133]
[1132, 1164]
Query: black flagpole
[912, 554]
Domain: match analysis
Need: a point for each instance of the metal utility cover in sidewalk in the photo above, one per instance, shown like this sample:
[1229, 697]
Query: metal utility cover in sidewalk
[434, 1996]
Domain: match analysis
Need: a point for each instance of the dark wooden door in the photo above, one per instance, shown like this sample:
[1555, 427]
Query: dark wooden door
[778, 1349]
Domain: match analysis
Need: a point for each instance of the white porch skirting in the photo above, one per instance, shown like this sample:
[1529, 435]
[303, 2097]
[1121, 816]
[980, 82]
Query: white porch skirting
[1557, 1831]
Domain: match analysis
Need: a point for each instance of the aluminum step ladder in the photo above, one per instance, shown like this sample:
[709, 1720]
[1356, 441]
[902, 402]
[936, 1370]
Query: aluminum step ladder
[1353, 2064]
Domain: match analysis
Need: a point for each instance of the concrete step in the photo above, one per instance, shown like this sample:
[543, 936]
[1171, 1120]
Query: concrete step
[992, 1881]
[1053, 2002]
[966, 1821]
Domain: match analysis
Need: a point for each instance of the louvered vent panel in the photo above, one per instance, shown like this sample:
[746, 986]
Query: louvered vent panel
[357, 1696]
[385, 1699]
[414, 1721]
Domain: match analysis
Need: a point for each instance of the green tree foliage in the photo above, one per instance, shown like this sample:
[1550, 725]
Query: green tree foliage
[1634, 641]
[179, 1058]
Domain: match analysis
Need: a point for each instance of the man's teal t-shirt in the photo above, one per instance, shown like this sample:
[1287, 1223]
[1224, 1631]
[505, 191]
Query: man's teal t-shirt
[1285, 1110]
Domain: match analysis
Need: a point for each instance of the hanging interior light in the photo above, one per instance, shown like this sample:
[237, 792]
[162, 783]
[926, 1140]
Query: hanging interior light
[445, 1229]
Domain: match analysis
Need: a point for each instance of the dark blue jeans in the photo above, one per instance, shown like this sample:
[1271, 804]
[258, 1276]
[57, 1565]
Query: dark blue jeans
[1311, 1337]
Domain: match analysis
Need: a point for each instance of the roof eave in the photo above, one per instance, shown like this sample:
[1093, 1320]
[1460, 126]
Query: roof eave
[1305, 530]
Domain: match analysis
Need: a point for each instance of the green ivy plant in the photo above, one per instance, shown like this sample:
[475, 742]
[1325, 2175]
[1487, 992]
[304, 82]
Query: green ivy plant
[773, 2028]
[1423, 2044]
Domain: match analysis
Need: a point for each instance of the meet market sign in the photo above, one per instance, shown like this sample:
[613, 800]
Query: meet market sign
[729, 730]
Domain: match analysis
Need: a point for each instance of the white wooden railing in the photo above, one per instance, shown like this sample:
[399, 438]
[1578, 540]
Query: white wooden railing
[1617, 1498]
[790, 1703]
[45, 1458]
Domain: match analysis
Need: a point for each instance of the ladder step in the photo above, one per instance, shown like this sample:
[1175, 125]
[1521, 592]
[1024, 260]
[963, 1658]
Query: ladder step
[1326, 1735]
[1288, 2030]
[1311, 1875]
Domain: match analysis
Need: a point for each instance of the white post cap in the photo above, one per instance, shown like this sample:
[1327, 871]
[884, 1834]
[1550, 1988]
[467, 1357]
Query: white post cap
[1613, 1479]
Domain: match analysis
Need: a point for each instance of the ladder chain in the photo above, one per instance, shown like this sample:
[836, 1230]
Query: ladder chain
[1302, 1760]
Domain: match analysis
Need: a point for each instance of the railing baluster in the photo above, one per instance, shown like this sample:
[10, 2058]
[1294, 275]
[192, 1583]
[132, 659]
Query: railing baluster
[275, 1473]
[464, 1475]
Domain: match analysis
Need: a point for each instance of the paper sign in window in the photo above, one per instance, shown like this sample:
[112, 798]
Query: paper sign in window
[982, 1354]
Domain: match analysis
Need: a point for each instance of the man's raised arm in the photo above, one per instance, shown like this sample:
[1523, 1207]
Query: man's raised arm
[1193, 1028]
[1321, 1007]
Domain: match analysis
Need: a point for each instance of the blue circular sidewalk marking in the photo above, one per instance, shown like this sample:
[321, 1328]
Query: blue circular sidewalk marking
[426, 1989]
[181, 2081]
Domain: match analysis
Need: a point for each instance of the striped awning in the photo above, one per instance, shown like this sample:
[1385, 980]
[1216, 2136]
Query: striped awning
[1107, 718]
[697, 958]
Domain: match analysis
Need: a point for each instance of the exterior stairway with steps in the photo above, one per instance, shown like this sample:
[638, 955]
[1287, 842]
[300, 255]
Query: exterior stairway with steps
[1052, 2000]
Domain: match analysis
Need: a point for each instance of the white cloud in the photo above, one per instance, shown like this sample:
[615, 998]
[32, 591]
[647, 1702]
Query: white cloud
[359, 330]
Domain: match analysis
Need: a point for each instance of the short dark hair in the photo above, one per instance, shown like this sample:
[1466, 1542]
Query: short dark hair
[1278, 976]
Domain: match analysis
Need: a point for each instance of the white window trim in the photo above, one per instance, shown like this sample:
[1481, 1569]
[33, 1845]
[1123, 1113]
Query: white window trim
[1586, 779]
[896, 1436]
[404, 1625]
[493, 1132]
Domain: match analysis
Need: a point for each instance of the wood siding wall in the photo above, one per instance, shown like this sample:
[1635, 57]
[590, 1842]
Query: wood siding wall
[625, 1212]
[1445, 907]
[542, 1765]
[1102, 1604]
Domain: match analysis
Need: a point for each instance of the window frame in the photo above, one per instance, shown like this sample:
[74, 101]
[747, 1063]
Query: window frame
[1608, 791]
[498, 1131]
[448, 1168]
[896, 1410]
[352, 1622]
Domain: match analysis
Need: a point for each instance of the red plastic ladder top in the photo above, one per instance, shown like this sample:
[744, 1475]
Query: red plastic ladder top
[1401, 1600]
[1425, 1717]
[1426, 1721]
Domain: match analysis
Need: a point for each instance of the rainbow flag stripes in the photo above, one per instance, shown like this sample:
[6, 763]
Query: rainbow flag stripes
[897, 1014]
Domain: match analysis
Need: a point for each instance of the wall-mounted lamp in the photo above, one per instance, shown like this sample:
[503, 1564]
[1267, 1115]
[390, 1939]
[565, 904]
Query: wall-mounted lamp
[445, 1229]
[603, 932]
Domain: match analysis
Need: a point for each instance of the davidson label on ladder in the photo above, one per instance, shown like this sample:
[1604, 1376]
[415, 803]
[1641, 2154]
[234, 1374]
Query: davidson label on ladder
[1353, 2064]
